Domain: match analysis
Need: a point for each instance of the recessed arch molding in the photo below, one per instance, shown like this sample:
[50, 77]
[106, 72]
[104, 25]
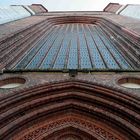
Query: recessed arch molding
[69, 109]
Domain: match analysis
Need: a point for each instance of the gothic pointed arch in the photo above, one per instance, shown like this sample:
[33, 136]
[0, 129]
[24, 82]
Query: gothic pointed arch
[95, 111]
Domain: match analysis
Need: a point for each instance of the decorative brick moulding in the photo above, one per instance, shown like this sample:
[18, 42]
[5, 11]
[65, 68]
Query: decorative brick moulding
[69, 109]
[11, 55]
[73, 108]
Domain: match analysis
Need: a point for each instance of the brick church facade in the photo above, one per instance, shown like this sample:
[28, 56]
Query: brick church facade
[70, 75]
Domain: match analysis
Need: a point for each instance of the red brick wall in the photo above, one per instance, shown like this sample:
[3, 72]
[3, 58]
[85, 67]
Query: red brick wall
[112, 7]
[38, 8]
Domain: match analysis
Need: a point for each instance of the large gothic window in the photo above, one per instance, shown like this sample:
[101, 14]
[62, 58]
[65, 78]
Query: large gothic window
[75, 46]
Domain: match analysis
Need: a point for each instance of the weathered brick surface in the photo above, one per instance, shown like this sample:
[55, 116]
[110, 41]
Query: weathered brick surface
[11, 28]
[36, 109]
[109, 80]
[112, 7]
[55, 105]
[130, 23]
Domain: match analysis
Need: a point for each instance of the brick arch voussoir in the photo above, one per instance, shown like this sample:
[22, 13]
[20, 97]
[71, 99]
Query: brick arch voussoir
[66, 87]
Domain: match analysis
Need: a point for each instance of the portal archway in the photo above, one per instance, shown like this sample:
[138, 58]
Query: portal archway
[99, 112]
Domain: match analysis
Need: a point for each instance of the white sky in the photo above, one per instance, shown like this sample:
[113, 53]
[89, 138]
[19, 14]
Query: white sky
[70, 5]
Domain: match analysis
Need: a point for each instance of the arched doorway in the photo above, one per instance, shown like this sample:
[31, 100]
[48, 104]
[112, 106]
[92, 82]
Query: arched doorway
[69, 109]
